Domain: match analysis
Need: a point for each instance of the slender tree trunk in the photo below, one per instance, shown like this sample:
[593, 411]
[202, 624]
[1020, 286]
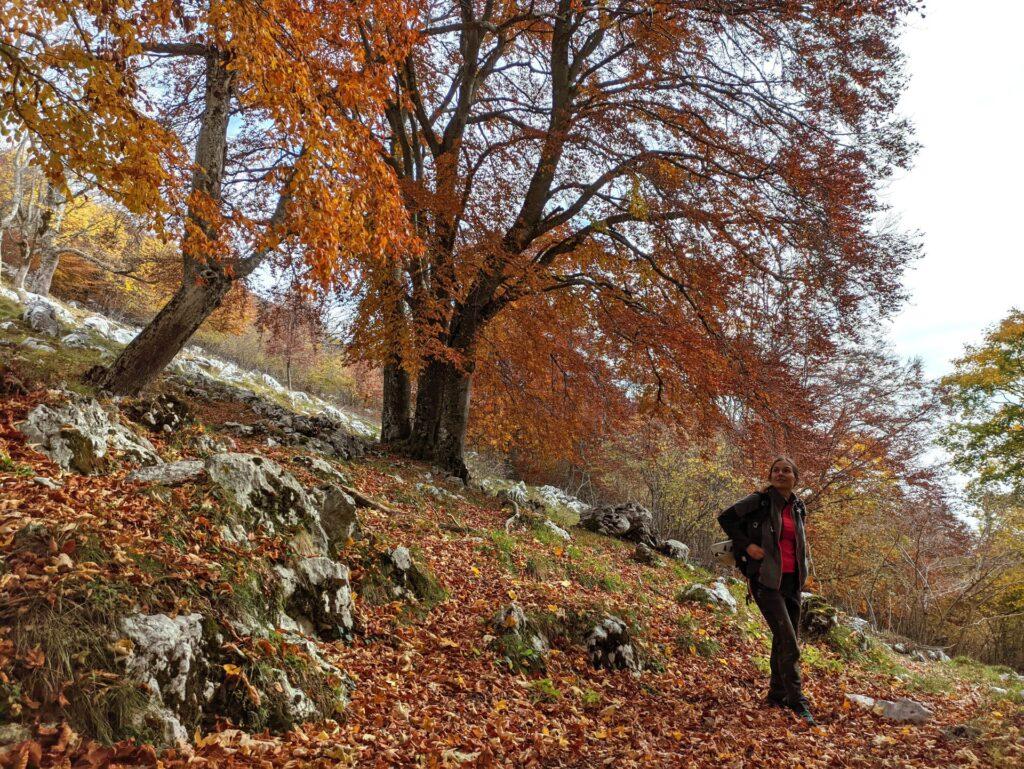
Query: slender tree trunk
[54, 207]
[395, 418]
[19, 276]
[204, 282]
[148, 353]
[41, 279]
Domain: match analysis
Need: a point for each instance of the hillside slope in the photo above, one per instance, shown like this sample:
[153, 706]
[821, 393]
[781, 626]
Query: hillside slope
[263, 601]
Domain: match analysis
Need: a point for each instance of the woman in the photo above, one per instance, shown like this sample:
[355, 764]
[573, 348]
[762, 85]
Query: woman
[767, 532]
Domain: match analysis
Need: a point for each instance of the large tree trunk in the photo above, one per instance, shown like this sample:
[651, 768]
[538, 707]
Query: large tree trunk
[204, 282]
[442, 415]
[395, 417]
[148, 353]
[449, 447]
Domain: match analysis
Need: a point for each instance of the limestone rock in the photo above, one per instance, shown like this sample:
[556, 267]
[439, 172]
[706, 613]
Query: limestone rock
[557, 530]
[338, 517]
[204, 445]
[169, 473]
[718, 596]
[265, 494]
[645, 555]
[628, 521]
[674, 549]
[321, 468]
[81, 435]
[523, 645]
[42, 317]
[395, 575]
[38, 345]
[318, 589]
[165, 413]
[166, 655]
[609, 645]
[817, 616]
[902, 710]
[79, 340]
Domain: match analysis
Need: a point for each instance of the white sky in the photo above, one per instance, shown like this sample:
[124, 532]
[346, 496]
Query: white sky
[964, 193]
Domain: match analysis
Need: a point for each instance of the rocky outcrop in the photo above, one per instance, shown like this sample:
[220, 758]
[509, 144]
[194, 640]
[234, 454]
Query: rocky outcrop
[321, 468]
[318, 597]
[165, 413]
[338, 518]
[817, 616]
[609, 645]
[329, 432]
[395, 576]
[645, 555]
[717, 595]
[166, 655]
[81, 435]
[263, 494]
[674, 549]
[628, 521]
[169, 473]
[42, 318]
[524, 647]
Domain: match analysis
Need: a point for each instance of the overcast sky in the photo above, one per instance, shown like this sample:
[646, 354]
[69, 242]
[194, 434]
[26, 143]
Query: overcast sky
[964, 194]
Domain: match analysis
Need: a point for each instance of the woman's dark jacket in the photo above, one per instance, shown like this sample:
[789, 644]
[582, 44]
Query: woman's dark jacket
[757, 519]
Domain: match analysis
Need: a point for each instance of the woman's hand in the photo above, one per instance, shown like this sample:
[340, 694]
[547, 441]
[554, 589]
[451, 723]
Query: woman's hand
[755, 552]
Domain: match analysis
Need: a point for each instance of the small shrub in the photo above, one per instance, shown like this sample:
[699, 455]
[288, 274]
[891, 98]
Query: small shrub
[544, 690]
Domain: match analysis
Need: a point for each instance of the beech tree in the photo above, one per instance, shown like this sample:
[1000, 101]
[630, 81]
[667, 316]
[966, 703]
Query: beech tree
[265, 94]
[699, 174]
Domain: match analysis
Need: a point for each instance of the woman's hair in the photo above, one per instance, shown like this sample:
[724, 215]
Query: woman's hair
[788, 461]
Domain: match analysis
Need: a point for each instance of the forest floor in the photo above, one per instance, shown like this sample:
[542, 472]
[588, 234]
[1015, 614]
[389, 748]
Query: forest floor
[431, 689]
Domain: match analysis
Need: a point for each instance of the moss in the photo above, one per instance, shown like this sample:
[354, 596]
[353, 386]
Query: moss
[519, 655]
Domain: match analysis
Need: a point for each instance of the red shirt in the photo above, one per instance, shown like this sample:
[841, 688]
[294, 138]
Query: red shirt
[787, 543]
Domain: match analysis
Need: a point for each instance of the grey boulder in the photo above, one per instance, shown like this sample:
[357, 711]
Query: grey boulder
[81, 435]
[628, 521]
[609, 645]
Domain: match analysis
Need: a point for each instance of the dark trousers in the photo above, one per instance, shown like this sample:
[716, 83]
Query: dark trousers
[781, 610]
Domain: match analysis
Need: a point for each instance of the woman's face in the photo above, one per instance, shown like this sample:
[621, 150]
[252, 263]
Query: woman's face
[782, 477]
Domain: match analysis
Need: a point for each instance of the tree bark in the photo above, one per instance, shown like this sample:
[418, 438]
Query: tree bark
[204, 281]
[54, 205]
[39, 282]
[442, 415]
[396, 418]
[429, 386]
[148, 353]
[449, 448]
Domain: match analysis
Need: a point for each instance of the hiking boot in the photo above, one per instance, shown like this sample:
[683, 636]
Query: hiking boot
[776, 701]
[804, 713]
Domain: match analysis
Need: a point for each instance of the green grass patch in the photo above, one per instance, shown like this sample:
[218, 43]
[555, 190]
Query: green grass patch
[8, 465]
